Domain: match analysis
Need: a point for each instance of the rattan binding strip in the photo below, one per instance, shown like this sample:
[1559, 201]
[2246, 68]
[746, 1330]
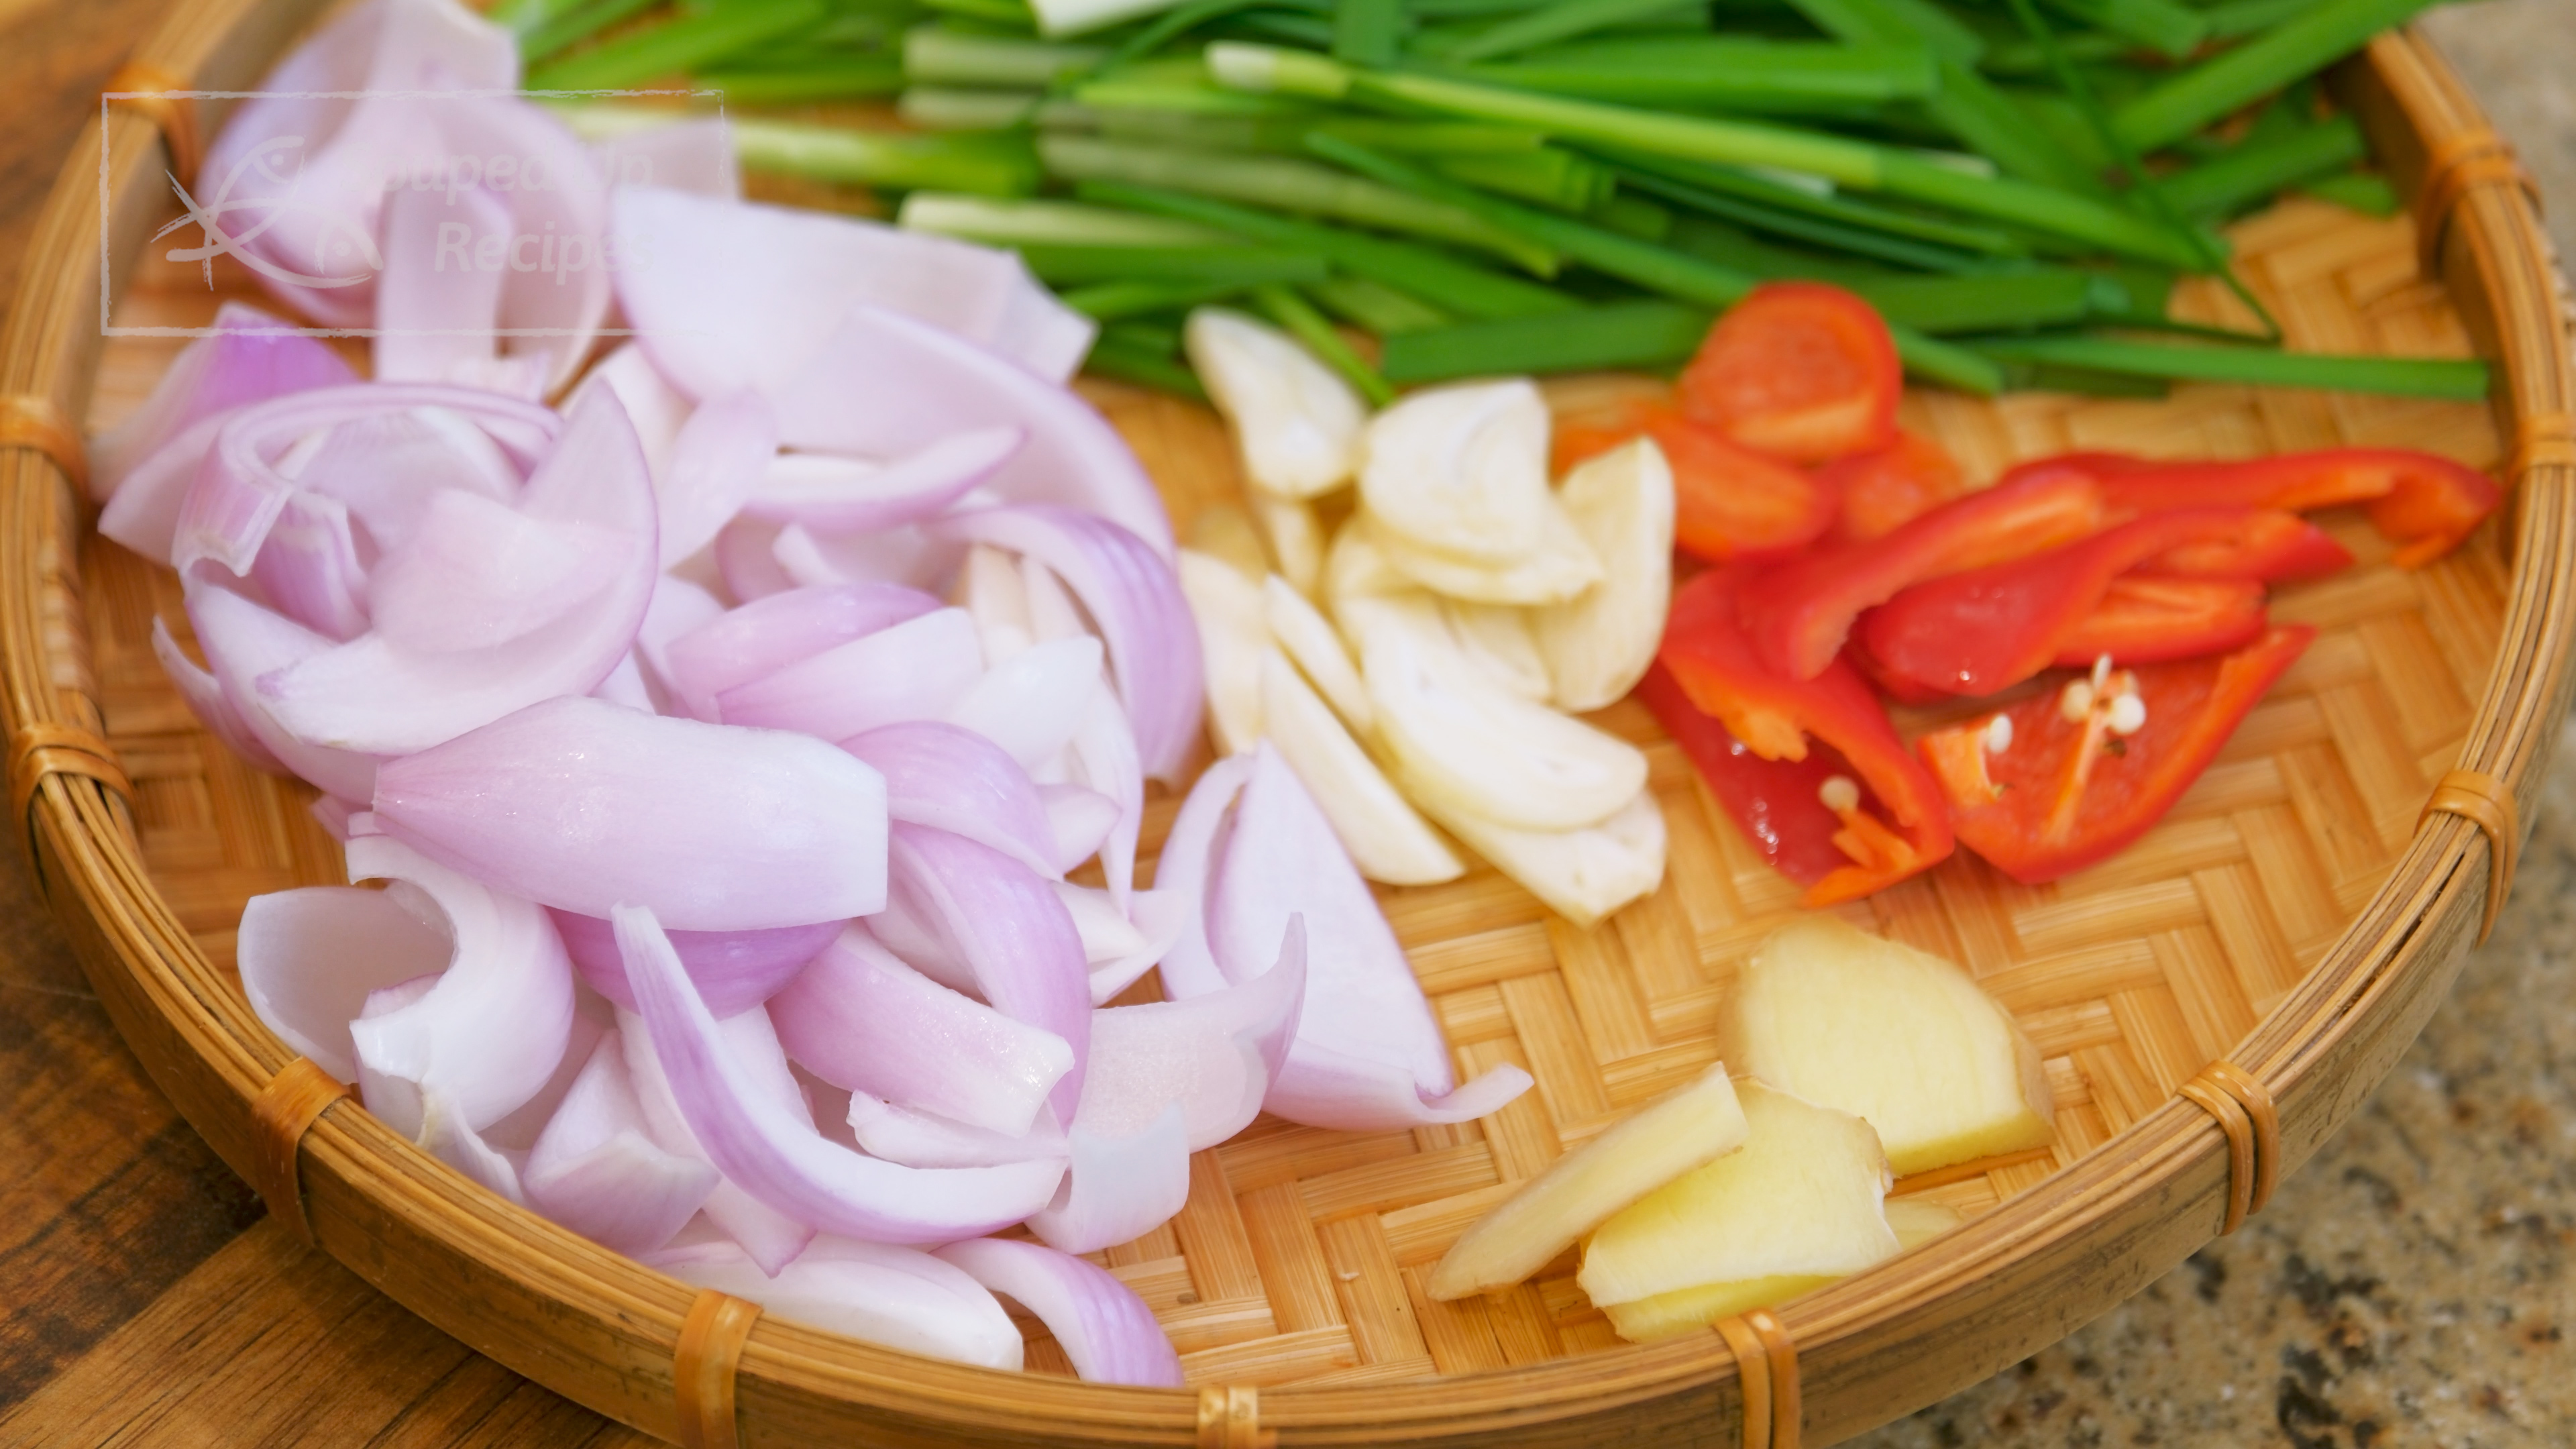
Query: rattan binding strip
[38, 750]
[2457, 165]
[1230, 1418]
[2245, 1111]
[702, 1368]
[143, 89]
[27, 421]
[2542, 440]
[2482, 798]
[280, 1115]
[1766, 1374]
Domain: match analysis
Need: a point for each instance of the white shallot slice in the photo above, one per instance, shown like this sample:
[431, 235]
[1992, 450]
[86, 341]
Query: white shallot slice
[1101, 1324]
[597, 1170]
[776, 1155]
[900, 1297]
[583, 805]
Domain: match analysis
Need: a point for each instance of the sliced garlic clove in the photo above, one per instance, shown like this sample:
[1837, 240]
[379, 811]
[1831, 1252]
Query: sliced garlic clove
[1358, 582]
[1295, 538]
[1466, 744]
[1297, 424]
[1560, 569]
[1318, 652]
[1462, 470]
[1583, 875]
[1232, 640]
[1498, 637]
[1598, 644]
[1387, 840]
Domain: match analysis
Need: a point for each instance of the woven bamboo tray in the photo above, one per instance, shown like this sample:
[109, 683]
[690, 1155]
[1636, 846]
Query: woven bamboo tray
[2293, 917]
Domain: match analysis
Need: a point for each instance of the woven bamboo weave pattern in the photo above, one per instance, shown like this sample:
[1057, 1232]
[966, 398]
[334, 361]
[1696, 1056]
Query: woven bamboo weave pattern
[1301, 1255]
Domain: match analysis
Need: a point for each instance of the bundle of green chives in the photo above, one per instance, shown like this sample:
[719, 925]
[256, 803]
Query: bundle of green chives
[1541, 185]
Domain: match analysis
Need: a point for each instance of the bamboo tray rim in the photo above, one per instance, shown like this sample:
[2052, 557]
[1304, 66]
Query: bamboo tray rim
[362, 1178]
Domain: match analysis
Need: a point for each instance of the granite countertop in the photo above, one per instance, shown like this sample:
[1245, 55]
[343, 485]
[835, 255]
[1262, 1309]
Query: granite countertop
[2410, 1285]
[2415, 1282]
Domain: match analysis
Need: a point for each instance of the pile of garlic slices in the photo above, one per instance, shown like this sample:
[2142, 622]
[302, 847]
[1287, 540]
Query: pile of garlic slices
[1427, 660]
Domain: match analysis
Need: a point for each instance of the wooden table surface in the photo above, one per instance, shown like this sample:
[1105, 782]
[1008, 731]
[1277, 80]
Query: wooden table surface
[144, 1299]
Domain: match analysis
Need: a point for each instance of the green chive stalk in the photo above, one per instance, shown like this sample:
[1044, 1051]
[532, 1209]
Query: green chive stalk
[1231, 264]
[1375, 307]
[2444, 378]
[2297, 47]
[1552, 176]
[1781, 222]
[2258, 169]
[2160, 25]
[1298, 317]
[1849, 163]
[549, 28]
[1650, 335]
[1964, 103]
[1825, 205]
[1547, 25]
[957, 108]
[2370, 195]
[938, 55]
[1419, 271]
[1658, 269]
[1011, 223]
[1113, 301]
[826, 77]
[999, 164]
[1130, 359]
[685, 43]
[1367, 32]
[1722, 73]
[1288, 185]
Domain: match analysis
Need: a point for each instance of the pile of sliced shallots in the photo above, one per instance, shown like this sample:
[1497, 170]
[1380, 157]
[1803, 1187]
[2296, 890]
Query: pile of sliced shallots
[723, 735]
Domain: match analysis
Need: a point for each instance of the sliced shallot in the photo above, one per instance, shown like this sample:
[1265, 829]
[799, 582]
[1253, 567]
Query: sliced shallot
[777, 1157]
[1101, 1324]
[586, 806]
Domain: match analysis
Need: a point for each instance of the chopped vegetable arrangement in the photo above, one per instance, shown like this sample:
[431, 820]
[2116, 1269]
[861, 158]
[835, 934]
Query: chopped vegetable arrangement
[732, 719]
[1526, 186]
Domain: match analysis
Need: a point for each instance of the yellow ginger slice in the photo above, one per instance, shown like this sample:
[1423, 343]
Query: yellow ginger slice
[1797, 1207]
[1894, 1035]
[1681, 1130]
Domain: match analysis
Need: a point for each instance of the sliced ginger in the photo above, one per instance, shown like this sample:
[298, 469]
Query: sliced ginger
[1894, 1035]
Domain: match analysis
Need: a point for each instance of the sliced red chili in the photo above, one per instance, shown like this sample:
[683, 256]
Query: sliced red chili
[1798, 370]
[2425, 504]
[1729, 504]
[2146, 619]
[2069, 786]
[1988, 629]
[1804, 609]
[1886, 488]
[1772, 750]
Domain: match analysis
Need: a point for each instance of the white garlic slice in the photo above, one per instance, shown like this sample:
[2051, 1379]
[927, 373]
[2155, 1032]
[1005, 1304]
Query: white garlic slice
[1296, 423]
[1463, 471]
[1466, 744]
[1598, 644]
[1233, 638]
